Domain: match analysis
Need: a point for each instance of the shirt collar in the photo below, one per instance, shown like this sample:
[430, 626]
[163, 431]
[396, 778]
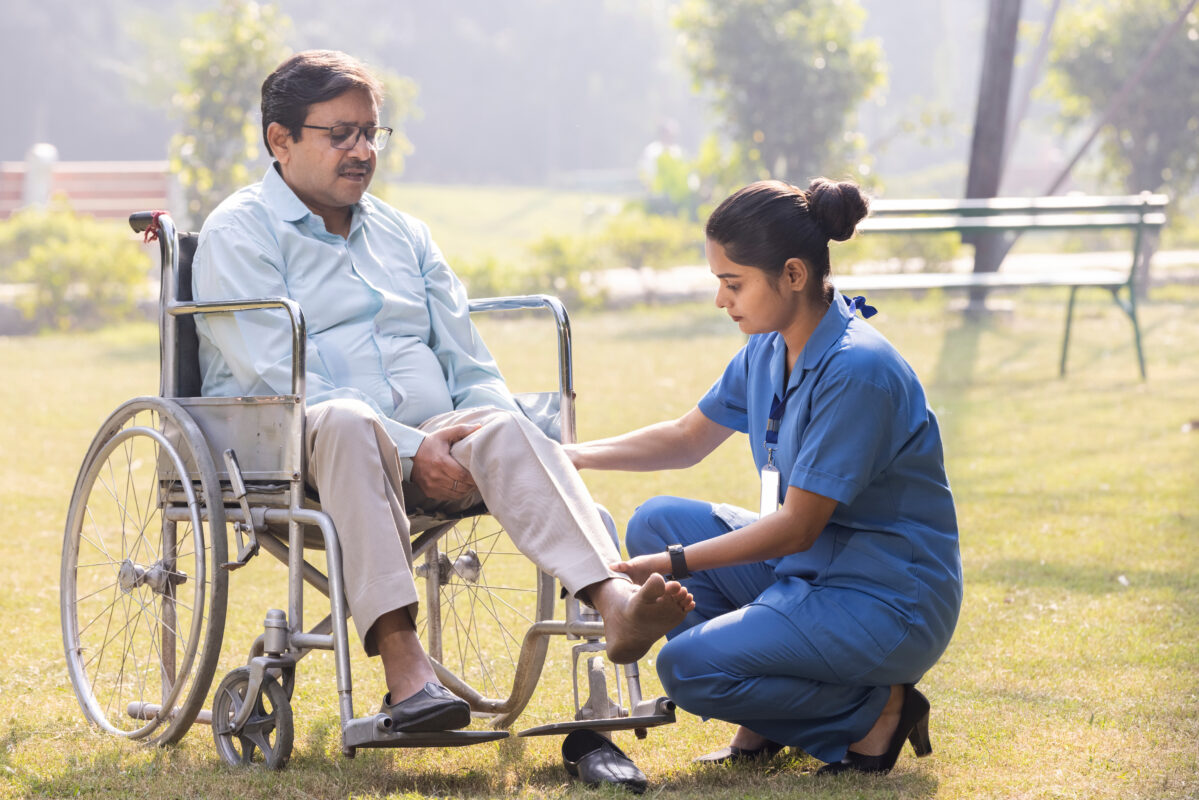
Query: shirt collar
[281, 198]
[291, 208]
[828, 331]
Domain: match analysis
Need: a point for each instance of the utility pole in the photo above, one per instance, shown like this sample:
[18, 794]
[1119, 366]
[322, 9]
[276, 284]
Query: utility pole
[990, 128]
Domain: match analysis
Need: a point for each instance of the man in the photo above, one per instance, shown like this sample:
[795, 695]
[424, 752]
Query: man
[406, 408]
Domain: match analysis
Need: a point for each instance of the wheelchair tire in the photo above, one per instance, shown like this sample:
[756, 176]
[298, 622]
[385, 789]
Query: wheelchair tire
[482, 596]
[269, 730]
[142, 593]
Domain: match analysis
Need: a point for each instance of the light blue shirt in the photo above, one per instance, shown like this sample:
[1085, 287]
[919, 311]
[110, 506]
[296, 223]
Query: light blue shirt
[856, 428]
[387, 319]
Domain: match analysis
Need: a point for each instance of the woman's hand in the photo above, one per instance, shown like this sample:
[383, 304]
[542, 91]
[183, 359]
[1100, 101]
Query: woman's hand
[640, 568]
[572, 453]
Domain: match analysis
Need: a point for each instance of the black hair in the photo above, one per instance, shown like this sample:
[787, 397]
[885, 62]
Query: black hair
[768, 222]
[306, 79]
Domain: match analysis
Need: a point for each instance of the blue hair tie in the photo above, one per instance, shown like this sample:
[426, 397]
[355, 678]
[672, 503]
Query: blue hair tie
[859, 304]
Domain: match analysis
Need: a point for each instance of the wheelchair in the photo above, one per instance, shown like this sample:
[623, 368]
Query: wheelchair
[178, 491]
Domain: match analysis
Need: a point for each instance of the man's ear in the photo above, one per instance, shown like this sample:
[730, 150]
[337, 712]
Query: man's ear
[796, 274]
[280, 141]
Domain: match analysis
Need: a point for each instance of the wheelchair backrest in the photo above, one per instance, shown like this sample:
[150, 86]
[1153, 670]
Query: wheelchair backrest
[187, 341]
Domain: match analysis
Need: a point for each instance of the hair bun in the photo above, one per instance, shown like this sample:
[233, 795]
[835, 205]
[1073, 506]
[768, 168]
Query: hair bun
[836, 208]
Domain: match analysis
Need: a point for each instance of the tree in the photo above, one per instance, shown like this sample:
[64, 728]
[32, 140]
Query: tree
[1149, 142]
[224, 63]
[785, 77]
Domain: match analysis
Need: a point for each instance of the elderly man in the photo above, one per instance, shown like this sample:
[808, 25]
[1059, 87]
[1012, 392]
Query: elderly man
[406, 408]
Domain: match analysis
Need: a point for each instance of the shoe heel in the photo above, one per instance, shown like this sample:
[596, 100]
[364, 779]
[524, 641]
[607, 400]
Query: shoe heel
[919, 738]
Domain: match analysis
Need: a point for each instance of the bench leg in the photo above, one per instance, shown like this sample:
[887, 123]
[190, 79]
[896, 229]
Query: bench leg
[1129, 307]
[1066, 337]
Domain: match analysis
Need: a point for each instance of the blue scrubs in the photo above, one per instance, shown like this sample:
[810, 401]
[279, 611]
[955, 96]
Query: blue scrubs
[804, 649]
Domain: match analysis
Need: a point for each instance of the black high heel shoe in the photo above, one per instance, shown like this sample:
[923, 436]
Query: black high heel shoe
[912, 727]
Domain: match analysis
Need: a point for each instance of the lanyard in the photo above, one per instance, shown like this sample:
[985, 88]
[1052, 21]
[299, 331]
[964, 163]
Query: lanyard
[773, 422]
[769, 500]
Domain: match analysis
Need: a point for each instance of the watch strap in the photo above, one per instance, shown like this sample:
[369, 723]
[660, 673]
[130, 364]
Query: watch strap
[678, 562]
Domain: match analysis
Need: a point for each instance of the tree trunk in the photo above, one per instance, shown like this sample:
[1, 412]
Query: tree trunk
[990, 127]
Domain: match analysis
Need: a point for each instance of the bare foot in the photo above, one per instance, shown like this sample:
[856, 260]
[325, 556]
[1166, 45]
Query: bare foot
[637, 616]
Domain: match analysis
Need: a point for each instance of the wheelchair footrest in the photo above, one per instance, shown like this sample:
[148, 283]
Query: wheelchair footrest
[663, 715]
[370, 732]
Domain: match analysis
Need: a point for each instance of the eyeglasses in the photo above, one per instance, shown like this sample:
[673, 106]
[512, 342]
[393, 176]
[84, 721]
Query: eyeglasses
[345, 137]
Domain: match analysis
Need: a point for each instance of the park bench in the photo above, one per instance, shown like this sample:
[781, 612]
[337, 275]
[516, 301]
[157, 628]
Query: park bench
[1013, 216]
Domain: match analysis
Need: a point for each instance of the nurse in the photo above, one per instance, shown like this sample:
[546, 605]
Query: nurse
[815, 616]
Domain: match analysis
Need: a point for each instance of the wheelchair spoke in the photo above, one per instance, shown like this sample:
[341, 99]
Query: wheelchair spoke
[120, 683]
[467, 638]
[101, 547]
[107, 608]
[485, 600]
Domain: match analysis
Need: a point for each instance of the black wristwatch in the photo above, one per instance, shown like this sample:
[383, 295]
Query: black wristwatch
[678, 562]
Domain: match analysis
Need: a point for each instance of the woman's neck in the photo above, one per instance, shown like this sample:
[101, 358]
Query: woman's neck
[801, 328]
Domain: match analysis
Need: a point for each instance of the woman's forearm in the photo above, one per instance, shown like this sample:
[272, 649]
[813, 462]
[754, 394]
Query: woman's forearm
[791, 529]
[675, 444]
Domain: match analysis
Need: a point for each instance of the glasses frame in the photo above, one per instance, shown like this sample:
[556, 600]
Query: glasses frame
[361, 131]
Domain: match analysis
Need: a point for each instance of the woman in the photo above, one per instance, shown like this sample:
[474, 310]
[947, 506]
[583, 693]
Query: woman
[815, 618]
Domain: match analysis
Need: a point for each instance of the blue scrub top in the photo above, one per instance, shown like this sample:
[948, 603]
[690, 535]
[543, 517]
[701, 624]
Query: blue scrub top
[856, 428]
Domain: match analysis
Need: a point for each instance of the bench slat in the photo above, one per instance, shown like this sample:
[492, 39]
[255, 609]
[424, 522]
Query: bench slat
[998, 205]
[1107, 278]
[1010, 222]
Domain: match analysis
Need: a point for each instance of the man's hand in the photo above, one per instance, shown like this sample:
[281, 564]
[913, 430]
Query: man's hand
[436, 472]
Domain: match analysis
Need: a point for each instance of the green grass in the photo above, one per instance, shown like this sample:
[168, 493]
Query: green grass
[476, 221]
[1074, 672]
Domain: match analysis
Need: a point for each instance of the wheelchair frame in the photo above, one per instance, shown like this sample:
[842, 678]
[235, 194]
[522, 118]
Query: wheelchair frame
[240, 461]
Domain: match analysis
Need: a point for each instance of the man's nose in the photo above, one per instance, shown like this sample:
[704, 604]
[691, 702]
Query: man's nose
[362, 148]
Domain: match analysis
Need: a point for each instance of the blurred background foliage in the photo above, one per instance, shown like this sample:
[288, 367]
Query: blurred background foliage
[547, 142]
[785, 78]
[1151, 142]
[75, 271]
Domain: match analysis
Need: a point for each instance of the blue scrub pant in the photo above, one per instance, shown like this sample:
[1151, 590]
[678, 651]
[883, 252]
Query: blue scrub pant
[738, 659]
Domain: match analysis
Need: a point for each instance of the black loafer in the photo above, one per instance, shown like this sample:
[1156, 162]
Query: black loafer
[594, 760]
[735, 755]
[433, 708]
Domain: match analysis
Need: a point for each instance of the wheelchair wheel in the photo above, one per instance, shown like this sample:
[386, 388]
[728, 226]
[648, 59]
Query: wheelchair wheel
[142, 593]
[482, 595]
[269, 729]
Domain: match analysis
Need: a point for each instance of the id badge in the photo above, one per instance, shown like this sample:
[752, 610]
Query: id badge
[770, 489]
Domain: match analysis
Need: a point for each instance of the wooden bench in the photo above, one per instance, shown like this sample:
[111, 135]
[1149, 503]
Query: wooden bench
[104, 189]
[1014, 215]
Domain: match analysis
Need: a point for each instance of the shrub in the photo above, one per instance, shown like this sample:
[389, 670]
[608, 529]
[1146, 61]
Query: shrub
[74, 271]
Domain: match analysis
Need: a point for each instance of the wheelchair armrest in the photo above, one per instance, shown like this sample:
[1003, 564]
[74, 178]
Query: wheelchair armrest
[294, 312]
[566, 385]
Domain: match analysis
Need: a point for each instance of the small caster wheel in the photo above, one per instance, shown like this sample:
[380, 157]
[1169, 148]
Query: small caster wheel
[268, 728]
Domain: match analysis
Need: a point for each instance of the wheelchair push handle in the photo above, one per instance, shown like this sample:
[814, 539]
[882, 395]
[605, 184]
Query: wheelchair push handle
[141, 220]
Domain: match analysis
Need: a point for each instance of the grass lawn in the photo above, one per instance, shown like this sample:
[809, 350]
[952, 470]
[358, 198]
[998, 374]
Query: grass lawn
[1074, 672]
[475, 221]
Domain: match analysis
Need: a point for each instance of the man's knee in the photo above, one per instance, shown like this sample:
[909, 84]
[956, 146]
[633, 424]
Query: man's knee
[348, 434]
[335, 419]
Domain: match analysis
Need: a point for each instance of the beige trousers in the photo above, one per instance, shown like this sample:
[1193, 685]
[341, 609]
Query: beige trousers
[524, 477]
